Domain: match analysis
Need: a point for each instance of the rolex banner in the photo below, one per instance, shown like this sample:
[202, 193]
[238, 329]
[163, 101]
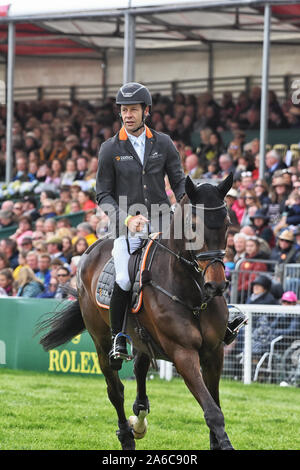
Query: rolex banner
[20, 349]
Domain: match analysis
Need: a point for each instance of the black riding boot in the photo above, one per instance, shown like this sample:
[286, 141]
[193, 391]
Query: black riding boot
[233, 328]
[118, 306]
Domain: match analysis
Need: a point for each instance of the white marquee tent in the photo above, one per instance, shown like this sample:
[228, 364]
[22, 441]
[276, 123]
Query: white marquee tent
[61, 27]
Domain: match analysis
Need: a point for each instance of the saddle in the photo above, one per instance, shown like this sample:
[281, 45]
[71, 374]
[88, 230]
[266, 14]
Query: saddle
[136, 267]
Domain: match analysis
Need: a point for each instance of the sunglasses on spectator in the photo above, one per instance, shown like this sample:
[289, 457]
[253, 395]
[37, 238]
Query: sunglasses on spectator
[246, 173]
[62, 275]
[53, 284]
[47, 207]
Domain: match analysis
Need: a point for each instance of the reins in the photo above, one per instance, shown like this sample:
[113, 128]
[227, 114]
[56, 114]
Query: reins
[214, 256]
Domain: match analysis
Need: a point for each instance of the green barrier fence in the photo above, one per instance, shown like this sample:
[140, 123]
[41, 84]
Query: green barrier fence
[19, 349]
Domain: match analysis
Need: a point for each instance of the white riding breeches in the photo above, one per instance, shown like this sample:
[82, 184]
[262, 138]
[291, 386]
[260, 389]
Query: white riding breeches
[121, 258]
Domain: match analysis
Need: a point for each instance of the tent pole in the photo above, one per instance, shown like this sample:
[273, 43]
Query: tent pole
[264, 111]
[10, 101]
[129, 49]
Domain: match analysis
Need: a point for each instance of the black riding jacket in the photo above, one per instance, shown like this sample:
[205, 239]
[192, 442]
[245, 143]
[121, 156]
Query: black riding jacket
[121, 173]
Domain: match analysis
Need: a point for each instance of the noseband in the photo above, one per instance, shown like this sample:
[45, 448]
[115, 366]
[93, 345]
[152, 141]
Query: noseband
[213, 256]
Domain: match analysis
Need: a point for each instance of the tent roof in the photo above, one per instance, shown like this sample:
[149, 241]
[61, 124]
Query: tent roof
[60, 27]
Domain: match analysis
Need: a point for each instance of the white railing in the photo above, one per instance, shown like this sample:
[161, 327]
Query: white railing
[278, 363]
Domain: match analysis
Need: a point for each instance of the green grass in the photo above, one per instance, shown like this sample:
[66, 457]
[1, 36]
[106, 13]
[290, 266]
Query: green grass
[40, 411]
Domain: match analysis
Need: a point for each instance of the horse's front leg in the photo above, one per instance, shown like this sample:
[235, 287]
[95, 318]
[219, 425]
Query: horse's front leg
[115, 392]
[141, 406]
[187, 363]
[212, 364]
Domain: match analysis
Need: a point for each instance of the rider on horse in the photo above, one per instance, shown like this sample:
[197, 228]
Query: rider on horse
[131, 172]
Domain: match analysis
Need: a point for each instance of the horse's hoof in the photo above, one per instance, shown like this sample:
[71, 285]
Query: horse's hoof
[139, 425]
[126, 437]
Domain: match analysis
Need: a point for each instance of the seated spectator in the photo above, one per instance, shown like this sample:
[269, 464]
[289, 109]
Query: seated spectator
[9, 248]
[239, 206]
[273, 163]
[226, 166]
[54, 247]
[86, 201]
[20, 173]
[239, 240]
[4, 263]
[47, 209]
[18, 209]
[92, 169]
[192, 167]
[249, 268]
[85, 230]
[59, 207]
[30, 208]
[251, 202]
[29, 284]
[80, 246]
[50, 226]
[7, 219]
[50, 291]
[69, 175]
[81, 168]
[24, 230]
[285, 325]
[6, 280]
[65, 196]
[63, 276]
[261, 189]
[22, 262]
[44, 273]
[286, 250]
[75, 206]
[55, 264]
[67, 248]
[27, 244]
[260, 222]
[230, 199]
[261, 292]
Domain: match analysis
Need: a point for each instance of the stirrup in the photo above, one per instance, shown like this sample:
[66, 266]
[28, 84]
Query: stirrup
[115, 354]
[236, 324]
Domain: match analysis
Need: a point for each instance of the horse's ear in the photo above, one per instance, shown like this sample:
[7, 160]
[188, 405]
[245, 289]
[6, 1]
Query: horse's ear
[225, 185]
[190, 187]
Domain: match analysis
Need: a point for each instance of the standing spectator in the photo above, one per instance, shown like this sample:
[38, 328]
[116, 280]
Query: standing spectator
[29, 284]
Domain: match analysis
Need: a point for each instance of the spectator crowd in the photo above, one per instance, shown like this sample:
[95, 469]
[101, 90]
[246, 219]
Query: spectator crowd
[55, 146]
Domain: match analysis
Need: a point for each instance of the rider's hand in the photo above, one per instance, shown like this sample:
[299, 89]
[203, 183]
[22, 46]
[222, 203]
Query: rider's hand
[136, 223]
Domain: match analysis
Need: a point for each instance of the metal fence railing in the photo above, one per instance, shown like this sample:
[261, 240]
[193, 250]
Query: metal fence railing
[241, 279]
[280, 84]
[267, 349]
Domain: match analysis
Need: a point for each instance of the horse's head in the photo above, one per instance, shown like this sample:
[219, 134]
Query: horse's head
[209, 216]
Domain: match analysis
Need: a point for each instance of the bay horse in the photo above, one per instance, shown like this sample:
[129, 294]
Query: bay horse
[184, 312]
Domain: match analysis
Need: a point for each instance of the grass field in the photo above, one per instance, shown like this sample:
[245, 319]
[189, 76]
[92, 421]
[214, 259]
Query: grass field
[40, 411]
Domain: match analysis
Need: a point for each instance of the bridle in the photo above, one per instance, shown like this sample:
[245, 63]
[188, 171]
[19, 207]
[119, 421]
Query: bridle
[213, 256]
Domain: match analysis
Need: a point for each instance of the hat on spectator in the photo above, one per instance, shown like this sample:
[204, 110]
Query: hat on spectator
[286, 235]
[260, 214]
[289, 296]
[263, 281]
[232, 193]
[54, 240]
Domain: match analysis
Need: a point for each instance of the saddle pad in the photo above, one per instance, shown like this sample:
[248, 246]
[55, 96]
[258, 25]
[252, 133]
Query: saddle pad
[107, 279]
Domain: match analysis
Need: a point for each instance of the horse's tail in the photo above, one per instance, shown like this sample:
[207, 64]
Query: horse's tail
[62, 325]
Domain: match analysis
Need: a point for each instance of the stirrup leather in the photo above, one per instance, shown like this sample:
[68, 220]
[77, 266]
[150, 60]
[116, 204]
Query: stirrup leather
[115, 354]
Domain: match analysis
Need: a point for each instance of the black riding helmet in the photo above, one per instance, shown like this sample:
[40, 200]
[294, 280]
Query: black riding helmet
[134, 93]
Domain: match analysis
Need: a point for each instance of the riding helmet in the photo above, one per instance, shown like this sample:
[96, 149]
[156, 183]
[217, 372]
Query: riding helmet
[134, 93]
